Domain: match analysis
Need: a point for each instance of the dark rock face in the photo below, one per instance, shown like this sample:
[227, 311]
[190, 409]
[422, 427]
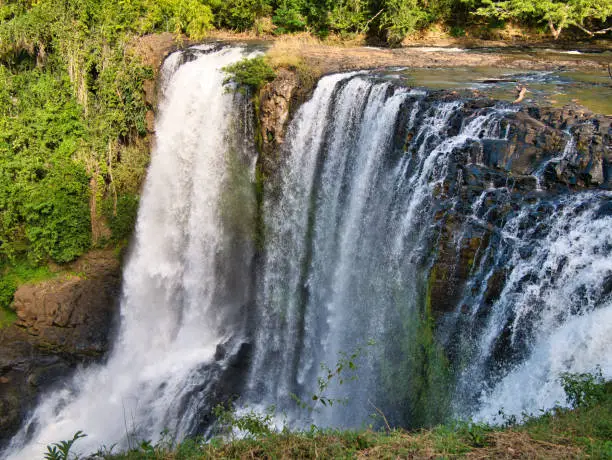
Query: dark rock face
[61, 323]
[534, 136]
[539, 134]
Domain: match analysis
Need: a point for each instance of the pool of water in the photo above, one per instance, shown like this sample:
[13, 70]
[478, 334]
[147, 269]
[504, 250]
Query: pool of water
[591, 89]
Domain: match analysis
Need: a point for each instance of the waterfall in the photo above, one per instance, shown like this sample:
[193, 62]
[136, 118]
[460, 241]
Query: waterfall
[556, 303]
[187, 279]
[382, 193]
[351, 236]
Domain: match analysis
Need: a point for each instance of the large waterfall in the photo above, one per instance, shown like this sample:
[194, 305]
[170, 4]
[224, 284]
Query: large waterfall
[376, 183]
[187, 280]
[350, 243]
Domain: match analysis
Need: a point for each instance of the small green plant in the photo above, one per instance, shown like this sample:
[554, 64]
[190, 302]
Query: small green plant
[457, 31]
[477, 434]
[250, 424]
[249, 74]
[344, 370]
[61, 450]
[583, 389]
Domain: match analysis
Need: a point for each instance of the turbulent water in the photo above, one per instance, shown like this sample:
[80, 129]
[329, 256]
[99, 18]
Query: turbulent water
[347, 255]
[184, 284]
[351, 228]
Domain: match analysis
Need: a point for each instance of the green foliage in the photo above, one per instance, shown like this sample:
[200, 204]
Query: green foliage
[240, 14]
[400, 17]
[249, 74]
[343, 371]
[122, 216]
[349, 16]
[72, 111]
[584, 389]
[249, 423]
[191, 17]
[43, 192]
[558, 14]
[589, 425]
[289, 16]
[61, 450]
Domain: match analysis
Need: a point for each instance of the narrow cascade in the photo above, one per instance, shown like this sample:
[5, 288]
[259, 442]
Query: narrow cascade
[187, 279]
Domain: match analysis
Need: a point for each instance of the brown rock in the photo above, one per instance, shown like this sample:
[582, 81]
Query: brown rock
[275, 106]
[275, 109]
[61, 322]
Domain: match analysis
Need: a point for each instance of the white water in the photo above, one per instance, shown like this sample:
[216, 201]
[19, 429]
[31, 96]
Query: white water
[555, 300]
[170, 321]
[344, 238]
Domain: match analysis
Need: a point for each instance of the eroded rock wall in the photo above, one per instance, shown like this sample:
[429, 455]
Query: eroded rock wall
[62, 323]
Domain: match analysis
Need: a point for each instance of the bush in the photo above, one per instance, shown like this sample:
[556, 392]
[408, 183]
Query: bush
[249, 74]
[584, 389]
[7, 290]
[122, 219]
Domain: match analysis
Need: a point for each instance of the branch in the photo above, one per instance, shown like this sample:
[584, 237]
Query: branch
[593, 33]
[383, 416]
[554, 31]
[521, 95]
[367, 24]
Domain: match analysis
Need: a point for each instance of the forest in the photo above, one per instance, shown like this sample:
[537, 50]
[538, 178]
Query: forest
[72, 109]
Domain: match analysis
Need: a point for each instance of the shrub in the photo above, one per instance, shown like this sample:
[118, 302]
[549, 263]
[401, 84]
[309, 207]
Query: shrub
[584, 389]
[249, 74]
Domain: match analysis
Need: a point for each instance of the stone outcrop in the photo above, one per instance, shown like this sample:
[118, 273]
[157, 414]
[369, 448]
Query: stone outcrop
[274, 108]
[539, 134]
[277, 100]
[507, 169]
[61, 323]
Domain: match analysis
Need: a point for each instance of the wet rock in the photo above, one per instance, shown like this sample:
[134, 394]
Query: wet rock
[61, 323]
[502, 173]
[276, 100]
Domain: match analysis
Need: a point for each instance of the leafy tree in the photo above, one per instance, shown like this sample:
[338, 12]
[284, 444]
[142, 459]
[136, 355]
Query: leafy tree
[349, 16]
[289, 16]
[240, 14]
[557, 14]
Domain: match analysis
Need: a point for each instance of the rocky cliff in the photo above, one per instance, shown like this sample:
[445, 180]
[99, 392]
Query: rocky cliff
[62, 323]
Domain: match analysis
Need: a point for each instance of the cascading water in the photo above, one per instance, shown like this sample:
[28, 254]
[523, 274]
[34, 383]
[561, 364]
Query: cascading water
[382, 194]
[555, 308]
[186, 281]
[352, 238]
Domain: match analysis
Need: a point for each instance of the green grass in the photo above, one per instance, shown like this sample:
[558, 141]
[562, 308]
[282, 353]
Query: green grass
[584, 432]
[589, 428]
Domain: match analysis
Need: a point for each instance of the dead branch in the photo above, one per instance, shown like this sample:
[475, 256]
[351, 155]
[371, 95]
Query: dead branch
[521, 94]
[382, 415]
[592, 33]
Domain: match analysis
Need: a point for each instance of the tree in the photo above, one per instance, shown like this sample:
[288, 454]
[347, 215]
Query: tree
[558, 14]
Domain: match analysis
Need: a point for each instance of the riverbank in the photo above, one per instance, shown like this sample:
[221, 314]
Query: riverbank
[333, 55]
